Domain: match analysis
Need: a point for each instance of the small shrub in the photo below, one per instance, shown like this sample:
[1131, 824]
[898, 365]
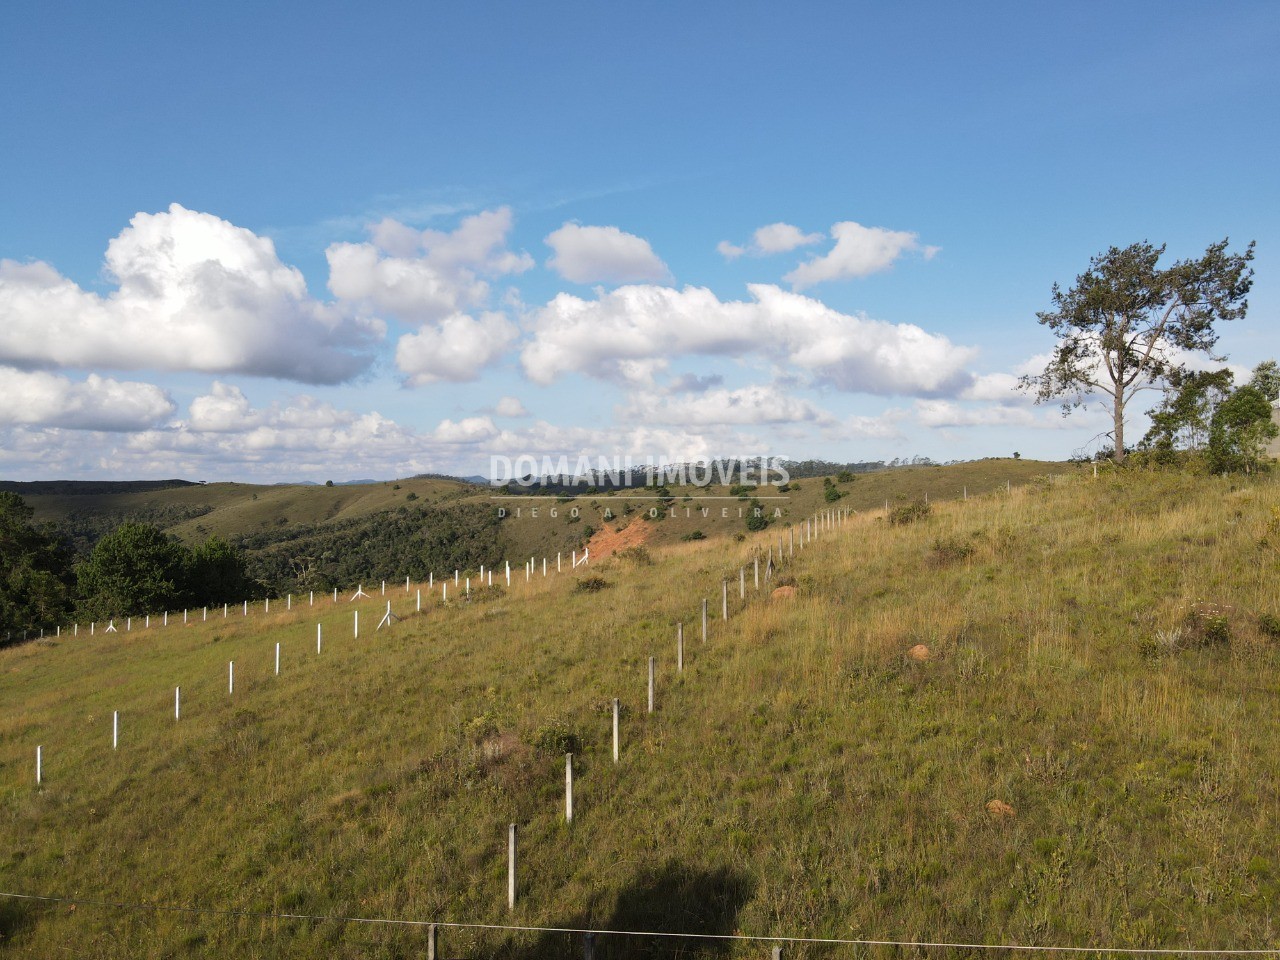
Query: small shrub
[831, 495]
[906, 513]
[485, 594]
[1208, 625]
[695, 535]
[845, 477]
[591, 584]
[480, 728]
[411, 496]
[637, 555]
[1164, 642]
[556, 738]
[947, 550]
[1269, 625]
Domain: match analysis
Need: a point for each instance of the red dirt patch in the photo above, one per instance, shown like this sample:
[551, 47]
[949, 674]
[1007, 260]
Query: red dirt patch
[999, 809]
[608, 541]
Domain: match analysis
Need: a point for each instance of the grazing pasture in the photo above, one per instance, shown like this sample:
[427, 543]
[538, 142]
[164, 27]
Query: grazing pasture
[1044, 715]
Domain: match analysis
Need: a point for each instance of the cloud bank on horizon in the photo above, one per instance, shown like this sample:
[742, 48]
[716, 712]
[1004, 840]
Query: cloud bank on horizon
[686, 372]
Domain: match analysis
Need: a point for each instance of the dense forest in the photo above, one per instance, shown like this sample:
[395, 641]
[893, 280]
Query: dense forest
[409, 541]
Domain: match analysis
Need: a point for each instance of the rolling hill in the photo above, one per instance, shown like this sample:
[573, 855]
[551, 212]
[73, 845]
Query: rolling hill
[1038, 716]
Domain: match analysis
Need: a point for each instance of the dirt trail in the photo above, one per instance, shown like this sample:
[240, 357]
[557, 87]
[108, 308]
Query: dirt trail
[608, 541]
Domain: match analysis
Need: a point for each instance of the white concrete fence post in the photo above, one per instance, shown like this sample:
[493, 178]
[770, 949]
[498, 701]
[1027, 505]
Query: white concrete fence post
[568, 788]
[511, 867]
[651, 684]
[615, 730]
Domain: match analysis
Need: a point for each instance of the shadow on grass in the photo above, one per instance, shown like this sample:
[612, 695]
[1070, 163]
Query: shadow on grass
[673, 898]
[15, 916]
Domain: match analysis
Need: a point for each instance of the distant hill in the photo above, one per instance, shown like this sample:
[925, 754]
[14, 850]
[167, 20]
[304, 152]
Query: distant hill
[89, 488]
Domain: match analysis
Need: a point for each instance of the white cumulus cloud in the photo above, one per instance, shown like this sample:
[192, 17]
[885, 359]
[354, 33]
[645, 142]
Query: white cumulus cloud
[630, 333]
[455, 349]
[859, 252]
[510, 407]
[603, 255]
[37, 398]
[194, 292]
[466, 430]
[769, 239]
[744, 406]
[946, 413]
[421, 276]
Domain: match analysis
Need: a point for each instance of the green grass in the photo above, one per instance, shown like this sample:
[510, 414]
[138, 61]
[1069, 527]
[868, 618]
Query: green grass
[236, 508]
[802, 776]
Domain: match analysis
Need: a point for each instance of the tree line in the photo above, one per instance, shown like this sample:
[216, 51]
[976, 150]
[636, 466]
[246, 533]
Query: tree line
[133, 569]
[50, 574]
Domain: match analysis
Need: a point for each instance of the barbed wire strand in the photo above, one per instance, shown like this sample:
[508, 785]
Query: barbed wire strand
[518, 928]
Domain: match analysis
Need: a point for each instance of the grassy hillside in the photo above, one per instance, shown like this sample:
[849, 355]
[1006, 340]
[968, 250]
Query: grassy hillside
[303, 537]
[1084, 758]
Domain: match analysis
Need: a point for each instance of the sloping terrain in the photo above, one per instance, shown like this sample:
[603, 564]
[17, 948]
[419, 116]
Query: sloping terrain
[1079, 757]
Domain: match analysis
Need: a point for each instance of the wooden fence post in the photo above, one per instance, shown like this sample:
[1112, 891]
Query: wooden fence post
[615, 730]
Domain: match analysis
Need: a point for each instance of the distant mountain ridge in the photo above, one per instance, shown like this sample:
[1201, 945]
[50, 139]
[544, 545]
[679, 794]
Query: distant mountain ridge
[89, 487]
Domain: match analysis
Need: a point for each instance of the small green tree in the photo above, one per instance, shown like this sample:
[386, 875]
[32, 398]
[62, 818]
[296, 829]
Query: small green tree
[1266, 377]
[1122, 325]
[133, 569]
[1182, 420]
[1240, 431]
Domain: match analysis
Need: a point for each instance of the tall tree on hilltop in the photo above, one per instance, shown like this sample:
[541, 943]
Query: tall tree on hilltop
[1124, 324]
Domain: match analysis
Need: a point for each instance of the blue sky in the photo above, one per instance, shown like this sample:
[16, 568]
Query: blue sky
[531, 228]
